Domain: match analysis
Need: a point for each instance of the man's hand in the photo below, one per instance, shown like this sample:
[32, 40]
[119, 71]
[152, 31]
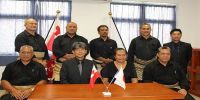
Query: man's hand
[43, 62]
[18, 94]
[104, 61]
[107, 60]
[27, 92]
[62, 59]
[69, 56]
[182, 91]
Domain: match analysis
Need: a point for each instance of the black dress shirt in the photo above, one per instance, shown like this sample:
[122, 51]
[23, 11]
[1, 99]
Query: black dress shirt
[101, 48]
[167, 75]
[19, 74]
[110, 70]
[142, 48]
[37, 42]
[63, 44]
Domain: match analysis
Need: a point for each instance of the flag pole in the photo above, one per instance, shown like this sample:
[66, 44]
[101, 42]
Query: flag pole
[57, 13]
[110, 14]
[111, 80]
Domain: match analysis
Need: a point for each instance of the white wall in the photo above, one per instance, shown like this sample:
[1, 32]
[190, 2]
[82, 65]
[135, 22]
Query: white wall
[188, 20]
[91, 13]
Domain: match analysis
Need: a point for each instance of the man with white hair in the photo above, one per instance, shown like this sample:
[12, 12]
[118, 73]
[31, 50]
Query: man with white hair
[30, 37]
[20, 77]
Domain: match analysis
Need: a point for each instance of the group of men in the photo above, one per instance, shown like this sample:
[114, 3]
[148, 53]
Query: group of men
[166, 65]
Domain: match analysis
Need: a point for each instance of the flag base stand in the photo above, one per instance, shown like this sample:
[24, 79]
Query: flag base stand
[106, 94]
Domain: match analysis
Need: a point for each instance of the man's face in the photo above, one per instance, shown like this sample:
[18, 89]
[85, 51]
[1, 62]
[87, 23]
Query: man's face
[26, 54]
[71, 28]
[164, 55]
[31, 25]
[176, 36]
[79, 53]
[103, 32]
[145, 30]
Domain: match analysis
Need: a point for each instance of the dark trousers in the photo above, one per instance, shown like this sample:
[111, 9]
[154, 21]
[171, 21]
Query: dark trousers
[56, 82]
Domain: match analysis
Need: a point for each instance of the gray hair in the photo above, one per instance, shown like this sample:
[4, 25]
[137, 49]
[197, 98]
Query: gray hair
[26, 20]
[164, 47]
[26, 46]
[77, 45]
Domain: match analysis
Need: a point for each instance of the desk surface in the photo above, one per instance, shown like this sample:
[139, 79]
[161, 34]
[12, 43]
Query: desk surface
[150, 91]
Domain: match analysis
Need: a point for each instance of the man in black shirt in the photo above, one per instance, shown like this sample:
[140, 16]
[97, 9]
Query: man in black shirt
[62, 47]
[168, 73]
[20, 77]
[102, 48]
[30, 37]
[181, 51]
[143, 49]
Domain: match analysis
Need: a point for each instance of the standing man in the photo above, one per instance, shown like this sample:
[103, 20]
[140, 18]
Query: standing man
[102, 48]
[78, 69]
[20, 77]
[181, 51]
[30, 37]
[62, 48]
[143, 49]
[168, 73]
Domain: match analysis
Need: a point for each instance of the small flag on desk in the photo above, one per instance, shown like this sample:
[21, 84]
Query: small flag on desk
[119, 78]
[94, 75]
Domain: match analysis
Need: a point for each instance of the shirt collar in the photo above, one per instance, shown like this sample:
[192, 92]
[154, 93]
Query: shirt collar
[150, 37]
[103, 40]
[78, 61]
[28, 34]
[168, 64]
[176, 43]
[30, 63]
[66, 35]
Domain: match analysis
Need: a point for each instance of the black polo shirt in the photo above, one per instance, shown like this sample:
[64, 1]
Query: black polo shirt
[101, 48]
[63, 44]
[19, 74]
[36, 41]
[142, 48]
[167, 75]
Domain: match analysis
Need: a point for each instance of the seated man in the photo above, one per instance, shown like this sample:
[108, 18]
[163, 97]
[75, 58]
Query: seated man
[78, 69]
[168, 73]
[20, 77]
